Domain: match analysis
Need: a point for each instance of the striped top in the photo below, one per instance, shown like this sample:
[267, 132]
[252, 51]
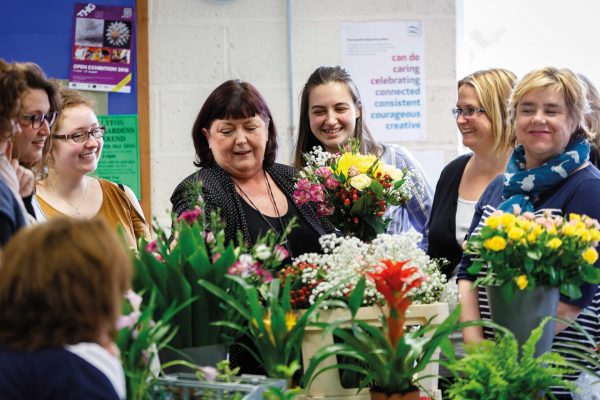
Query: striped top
[576, 194]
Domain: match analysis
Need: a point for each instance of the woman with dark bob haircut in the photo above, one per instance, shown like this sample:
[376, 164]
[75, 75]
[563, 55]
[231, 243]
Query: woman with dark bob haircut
[236, 144]
[59, 306]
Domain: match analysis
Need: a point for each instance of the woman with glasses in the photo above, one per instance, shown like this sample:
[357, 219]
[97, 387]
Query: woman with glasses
[12, 210]
[75, 150]
[330, 114]
[480, 116]
[40, 103]
[548, 172]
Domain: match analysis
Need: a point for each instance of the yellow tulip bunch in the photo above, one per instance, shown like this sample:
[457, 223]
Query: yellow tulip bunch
[528, 250]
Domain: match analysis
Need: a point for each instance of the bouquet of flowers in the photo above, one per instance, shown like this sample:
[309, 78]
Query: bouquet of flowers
[520, 252]
[352, 190]
[335, 273]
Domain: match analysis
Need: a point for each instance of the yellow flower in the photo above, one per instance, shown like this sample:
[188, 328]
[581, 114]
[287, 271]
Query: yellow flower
[493, 221]
[538, 229]
[574, 217]
[361, 162]
[267, 322]
[515, 233]
[595, 234]
[394, 173]
[290, 320]
[360, 182]
[497, 243]
[568, 229]
[508, 220]
[554, 243]
[586, 236]
[521, 281]
[590, 255]
[531, 237]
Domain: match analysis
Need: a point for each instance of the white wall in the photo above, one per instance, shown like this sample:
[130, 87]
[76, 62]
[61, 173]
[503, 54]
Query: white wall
[197, 44]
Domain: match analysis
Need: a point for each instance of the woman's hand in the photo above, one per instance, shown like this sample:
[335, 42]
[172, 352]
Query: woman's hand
[469, 302]
[25, 177]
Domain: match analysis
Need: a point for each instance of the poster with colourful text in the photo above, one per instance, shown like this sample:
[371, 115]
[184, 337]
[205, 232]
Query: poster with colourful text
[120, 158]
[101, 57]
[387, 63]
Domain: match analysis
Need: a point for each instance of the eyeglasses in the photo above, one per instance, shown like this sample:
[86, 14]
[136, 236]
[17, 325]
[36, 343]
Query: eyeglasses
[80, 137]
[37, 120]
[467, 112]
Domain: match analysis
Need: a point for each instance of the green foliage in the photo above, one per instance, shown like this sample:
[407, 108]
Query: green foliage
[496, 370]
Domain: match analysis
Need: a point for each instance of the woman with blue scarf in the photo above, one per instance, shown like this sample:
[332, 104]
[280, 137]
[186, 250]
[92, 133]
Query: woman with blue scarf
[548, 170]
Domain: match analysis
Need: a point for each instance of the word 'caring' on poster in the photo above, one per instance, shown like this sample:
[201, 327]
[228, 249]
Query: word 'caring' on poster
[101, 57]
[120, 159]
[386, 60]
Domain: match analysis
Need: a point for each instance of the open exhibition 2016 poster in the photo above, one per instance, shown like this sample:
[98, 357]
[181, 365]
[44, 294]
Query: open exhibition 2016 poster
[386, 60]
[101, 57]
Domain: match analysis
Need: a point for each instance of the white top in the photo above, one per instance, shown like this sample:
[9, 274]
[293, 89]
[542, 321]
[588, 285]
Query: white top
[105, 362]
[465, 209]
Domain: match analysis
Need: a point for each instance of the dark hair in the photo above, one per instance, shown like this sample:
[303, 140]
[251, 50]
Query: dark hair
[11, 88]
[35, 78]
[306, 139]
[69, 290]
[233, 99]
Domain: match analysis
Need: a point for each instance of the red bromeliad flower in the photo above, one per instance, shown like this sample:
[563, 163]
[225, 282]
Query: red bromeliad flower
[394, 281]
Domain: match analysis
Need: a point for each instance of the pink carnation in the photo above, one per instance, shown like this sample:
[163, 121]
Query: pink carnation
[323, 210]
[190, 216]
[331, 183]
[301, 197]
[281, 253]
[323, 172]
[152, 247]
[316, 193]
[303, 184]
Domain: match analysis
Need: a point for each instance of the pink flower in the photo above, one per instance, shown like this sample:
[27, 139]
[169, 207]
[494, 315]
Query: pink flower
[301, 197]
[152, 247]
[331, 183]
[280, 252]
[323, 172]
[208, 237]
[323, 209]
[316, 193]
[134, 299]
[210, 373]
[190, 216]
[303, 184]
[128, 321]
[159, 257]
[352, 171]
[216, 257]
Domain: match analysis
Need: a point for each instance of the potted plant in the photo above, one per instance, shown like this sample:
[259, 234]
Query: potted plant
[388, 357]
[498, 370]
[525, 260]
[353, 190]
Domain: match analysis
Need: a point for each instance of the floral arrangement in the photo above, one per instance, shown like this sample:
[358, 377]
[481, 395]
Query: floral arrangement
[346, 259]
[352, 190]
[390, 357]
[500, 370]
[173, 268]
[522, 251]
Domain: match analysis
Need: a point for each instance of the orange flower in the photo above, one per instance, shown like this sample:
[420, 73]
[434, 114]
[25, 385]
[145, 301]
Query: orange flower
[394, 281]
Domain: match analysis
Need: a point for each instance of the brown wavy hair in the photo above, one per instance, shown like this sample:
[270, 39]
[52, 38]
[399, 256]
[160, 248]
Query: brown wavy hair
[233, 99]
[12, 86]
[35, 78]
[61, 282]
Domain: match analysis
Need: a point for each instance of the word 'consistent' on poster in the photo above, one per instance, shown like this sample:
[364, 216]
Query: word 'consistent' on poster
[386, 60]
[101, 57]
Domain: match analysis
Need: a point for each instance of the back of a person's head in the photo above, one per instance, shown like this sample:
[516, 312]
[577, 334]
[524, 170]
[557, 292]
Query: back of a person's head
[592, 119]
[61, 282]
[12, 85]
[493, 87]
[561, 80]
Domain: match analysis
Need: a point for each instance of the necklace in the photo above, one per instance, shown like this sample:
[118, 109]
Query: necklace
[76, 208]
[272, 198]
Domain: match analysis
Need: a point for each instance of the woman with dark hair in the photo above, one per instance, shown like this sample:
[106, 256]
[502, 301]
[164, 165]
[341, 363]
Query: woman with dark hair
[236, 144]
[59, 306]
[331, 112]
[15, 181]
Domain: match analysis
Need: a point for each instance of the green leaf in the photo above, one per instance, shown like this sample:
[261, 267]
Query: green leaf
[357, 295]
[591, 274]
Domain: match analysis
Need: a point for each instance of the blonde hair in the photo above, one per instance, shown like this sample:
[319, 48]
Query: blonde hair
[61, 282]
[493, 87]
[563, 81]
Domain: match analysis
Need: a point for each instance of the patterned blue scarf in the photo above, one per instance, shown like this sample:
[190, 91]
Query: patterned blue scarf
[523, 186]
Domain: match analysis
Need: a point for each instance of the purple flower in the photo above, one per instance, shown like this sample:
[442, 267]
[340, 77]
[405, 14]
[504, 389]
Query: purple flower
[209, 373]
